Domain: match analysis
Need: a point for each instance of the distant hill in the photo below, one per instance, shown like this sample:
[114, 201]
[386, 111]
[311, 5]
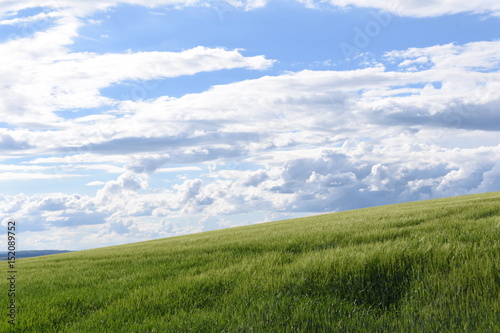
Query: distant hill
[427, 266]
[31, 253]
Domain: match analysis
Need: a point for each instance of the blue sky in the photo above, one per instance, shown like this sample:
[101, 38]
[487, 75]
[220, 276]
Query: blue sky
[124, 121]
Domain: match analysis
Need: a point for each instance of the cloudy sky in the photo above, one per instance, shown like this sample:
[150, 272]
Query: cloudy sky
[123, 121]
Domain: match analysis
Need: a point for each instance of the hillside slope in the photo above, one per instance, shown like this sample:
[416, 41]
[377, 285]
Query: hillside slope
[428, 266]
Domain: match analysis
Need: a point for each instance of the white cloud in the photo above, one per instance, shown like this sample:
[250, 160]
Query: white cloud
[299, 108]
[95, 183]
[479, 56]
[74, 80]
[45, 76]
[30, 19]
[82, 8]
[416, 8]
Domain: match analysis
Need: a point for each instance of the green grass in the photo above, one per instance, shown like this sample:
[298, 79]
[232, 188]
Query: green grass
[428, 266]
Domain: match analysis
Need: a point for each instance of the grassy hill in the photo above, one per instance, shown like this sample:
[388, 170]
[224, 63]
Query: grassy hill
[428, 266]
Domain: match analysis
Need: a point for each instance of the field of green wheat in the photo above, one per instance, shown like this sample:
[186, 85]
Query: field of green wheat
[428, 266]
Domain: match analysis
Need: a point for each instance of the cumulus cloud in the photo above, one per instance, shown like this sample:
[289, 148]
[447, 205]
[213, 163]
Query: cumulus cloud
[331, 180]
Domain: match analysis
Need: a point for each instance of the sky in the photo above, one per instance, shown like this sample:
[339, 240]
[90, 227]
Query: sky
[125, 121]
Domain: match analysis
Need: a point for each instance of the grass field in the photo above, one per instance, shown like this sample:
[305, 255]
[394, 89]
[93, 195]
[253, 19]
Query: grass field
[428, 266]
